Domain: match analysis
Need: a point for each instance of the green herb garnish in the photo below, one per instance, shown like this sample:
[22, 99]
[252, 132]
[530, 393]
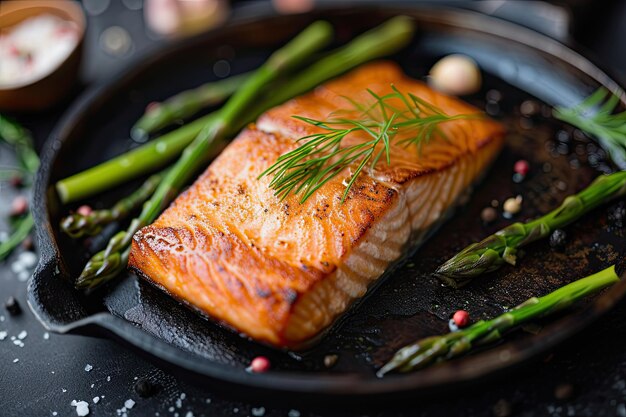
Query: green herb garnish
[21, 141]
[321, 156]
[595, 117]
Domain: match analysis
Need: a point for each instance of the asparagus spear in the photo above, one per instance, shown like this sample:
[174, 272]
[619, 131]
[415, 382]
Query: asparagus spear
[380, 41]
[106, 264]
[438, 348]
[78, 225]
[383, 40]
[135, 163]
[501, 247]
[184, 105]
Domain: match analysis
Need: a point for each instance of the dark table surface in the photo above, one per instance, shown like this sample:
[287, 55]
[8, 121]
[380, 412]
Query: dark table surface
[43, 374]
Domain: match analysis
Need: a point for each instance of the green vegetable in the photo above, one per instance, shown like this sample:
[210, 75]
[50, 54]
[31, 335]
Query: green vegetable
[21, 141]
[501, 247]
[78, 225]
[381, 41]
[22, 228]
[595, 117]
[108, 263]
[440, 348]
[133, 164]
[386, 39]
[184, 105]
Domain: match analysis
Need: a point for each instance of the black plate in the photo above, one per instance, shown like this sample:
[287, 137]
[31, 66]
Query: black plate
[521, 64]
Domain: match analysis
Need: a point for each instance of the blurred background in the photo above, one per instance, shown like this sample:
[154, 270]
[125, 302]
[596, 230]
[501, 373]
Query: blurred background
[120, 29]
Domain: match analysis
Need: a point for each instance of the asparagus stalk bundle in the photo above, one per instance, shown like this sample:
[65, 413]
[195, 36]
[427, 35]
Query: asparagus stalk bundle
[184, 105]
[130, 165]
[108, 263]
[386, 39]
[438, 348]
[78, 225]
[494, 251]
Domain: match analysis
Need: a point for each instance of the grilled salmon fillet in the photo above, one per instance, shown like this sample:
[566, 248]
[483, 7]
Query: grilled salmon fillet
[281, 271]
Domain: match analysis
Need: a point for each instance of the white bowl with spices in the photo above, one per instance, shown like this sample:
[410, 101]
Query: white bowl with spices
[40, 50]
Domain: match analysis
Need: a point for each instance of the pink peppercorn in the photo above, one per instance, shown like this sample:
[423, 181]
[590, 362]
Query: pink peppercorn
[19, 206]
[84, 210]
[461, 318]
[152, 106]
[521, 167]
[259, 364]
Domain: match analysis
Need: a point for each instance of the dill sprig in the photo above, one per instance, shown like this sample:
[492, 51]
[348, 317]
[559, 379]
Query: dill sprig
[322, 156]
[595, 116]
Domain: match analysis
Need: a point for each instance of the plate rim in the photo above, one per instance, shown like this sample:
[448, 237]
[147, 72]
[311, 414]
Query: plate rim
[485, 364]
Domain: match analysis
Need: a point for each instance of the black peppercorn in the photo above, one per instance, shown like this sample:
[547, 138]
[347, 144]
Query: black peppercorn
[145, 388]
[557, 239]
[12, 306]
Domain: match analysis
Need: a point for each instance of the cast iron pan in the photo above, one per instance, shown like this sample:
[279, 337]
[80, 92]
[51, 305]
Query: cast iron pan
[520, 64]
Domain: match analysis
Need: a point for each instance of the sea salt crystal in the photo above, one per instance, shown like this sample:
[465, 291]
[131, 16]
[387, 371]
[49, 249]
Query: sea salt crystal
[129, 404]
[63, 389]
[54, 413]
[82, 407]
[171, 409]
[16, 360]
[28, 259]
[46, 336]
[23, 276]
[88, 367]
[2, 318]
[189, 414]
[92, 385]
[258, 412]
[18, 343]
[293, 413]
[17, 267]
[96, 400]
[22, 335]
[183, 396]
[108, 379]
[179, 403]
[3, 335]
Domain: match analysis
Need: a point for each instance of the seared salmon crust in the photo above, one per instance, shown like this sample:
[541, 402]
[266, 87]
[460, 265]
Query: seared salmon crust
[281, 271]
